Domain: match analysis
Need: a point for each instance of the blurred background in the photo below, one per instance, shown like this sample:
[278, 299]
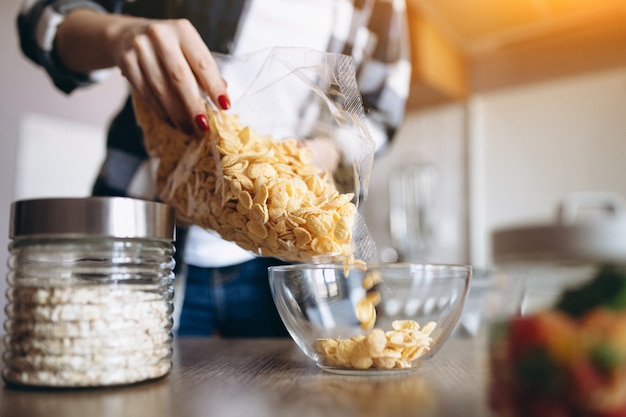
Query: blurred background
[514, 104]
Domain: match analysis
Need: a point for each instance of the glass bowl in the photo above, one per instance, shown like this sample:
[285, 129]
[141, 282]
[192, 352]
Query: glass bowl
[360, 319]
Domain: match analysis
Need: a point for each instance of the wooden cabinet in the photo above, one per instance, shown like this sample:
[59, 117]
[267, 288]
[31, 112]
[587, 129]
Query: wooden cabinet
[439, 68]
[465, 47]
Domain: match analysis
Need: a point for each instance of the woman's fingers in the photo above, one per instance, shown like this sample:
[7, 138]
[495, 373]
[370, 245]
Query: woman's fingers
[203, 65]
[131, 69]
[167, 62]
[176, 80]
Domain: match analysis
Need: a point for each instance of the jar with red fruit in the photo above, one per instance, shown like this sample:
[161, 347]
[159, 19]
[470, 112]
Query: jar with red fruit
[557, 336]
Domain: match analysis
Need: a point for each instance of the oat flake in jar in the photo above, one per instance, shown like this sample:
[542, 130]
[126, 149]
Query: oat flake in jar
[90, 290]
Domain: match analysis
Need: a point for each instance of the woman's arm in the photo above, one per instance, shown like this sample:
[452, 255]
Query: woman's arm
[86, 40]
[37, 24]
[165, 61]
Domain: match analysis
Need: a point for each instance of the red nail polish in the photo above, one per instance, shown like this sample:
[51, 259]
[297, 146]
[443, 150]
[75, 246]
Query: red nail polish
[224, 102]
[202, 122]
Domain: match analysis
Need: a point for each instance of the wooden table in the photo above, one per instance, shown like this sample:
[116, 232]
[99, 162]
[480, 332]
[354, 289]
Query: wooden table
[270, 377]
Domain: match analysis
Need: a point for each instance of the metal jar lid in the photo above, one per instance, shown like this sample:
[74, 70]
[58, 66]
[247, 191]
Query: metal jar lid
[118, 217]
[597, 238]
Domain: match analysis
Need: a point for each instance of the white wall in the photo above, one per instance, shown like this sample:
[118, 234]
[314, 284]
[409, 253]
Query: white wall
[435, 137]
[64, 152]
[508, 159]
[531, 146]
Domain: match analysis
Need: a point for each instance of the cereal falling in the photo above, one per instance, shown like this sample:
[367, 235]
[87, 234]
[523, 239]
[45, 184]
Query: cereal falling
[261, 193]
[365, 309]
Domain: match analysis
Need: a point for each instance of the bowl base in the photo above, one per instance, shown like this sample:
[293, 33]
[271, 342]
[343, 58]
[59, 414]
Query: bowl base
[367, 372]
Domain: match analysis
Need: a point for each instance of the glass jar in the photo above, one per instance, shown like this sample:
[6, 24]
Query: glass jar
[557, 340]
[90, 292]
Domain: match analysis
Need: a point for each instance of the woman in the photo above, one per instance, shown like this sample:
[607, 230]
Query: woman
[164, 49]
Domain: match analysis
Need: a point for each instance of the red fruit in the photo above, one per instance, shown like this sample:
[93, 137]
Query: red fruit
[525, 333]
[585, 379]
[618, 412]
[552, 331]
[544, 407]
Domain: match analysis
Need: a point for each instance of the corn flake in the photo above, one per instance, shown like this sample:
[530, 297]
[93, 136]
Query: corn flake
[394, 349]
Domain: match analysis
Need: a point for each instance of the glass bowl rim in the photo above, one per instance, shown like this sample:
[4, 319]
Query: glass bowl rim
[373, 265]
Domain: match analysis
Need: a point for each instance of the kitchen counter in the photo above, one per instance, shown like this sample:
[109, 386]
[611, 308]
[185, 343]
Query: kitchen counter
[270, 377]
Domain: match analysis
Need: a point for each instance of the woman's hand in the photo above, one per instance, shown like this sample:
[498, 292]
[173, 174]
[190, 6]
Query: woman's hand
[165, 61]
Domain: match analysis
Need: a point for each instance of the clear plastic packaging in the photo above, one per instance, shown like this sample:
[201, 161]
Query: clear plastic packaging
[282, 171]
[90, 290]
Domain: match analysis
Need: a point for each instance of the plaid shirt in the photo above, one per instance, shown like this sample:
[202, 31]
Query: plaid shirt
[377, 39]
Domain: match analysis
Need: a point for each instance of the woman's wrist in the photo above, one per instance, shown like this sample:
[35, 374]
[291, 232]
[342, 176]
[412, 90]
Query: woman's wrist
[87, 40]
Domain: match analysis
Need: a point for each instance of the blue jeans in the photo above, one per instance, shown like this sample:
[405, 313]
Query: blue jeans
[232, 301]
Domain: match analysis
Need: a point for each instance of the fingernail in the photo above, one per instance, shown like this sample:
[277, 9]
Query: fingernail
[202, 122]
[224, 102]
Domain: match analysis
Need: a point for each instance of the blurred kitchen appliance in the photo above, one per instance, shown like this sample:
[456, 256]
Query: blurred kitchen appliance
[411, 211]
[540, 261]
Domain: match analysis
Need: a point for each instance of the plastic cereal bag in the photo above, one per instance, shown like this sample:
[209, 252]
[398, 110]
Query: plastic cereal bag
[282, 171]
